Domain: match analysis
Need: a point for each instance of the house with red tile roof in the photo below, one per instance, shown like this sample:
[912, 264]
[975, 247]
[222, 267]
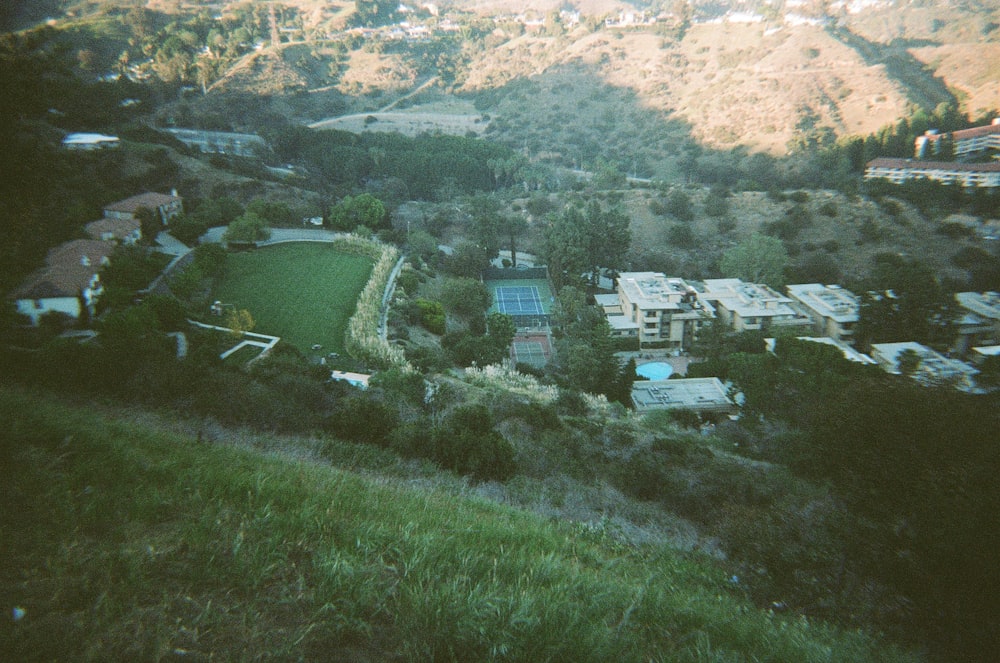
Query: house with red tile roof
[69, 282]
[165, 206]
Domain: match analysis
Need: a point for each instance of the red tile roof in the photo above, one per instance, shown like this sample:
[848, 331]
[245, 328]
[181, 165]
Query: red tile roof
[148, 200]
[976, 132]
[65, 273]
[120, 228]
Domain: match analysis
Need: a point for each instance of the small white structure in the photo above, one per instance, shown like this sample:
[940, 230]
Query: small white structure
[88, 142]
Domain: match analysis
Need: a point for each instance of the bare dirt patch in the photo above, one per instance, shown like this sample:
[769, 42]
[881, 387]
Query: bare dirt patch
[408, 123]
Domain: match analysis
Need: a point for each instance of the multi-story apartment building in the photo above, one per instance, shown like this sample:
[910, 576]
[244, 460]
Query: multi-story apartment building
[966, 142]
[969, 175]
[656, 309]
[980, 322]
[752, 306]
[834, 310]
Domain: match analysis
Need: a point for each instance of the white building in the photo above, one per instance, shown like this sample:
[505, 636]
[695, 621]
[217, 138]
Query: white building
[969, 175]
[752, 306]
[655, 309]
[834, 311]
[967, 142]
[69, 283]
[694, 394]
[933, 368]
[980, 321]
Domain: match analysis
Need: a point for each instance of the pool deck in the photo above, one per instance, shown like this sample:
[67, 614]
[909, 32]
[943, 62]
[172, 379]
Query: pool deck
[679, 364]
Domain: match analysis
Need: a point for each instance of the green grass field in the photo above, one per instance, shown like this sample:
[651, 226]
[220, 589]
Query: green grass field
[304, 292]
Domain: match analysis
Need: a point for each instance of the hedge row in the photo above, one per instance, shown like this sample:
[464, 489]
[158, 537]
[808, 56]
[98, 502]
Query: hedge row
[362, 340]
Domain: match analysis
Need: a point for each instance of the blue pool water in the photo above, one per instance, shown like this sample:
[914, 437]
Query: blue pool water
[656, 370]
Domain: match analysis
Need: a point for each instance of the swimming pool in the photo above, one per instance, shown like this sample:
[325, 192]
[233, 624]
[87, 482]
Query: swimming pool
[654, 370]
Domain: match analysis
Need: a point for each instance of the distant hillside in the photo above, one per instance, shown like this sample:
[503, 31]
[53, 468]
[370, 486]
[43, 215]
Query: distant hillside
[571, 88]
[130, 542]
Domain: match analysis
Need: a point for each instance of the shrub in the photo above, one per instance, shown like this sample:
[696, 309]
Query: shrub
[955, 230]
[681, 235]
[432, 316]
[187, 228]
[679, 205]
[362, 419]
[716, 205]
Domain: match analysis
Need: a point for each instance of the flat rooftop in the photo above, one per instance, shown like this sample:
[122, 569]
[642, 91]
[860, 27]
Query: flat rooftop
[700, 394]
[849, 353]
[985, 304]
[931, 363]
[653, 290]
[748, 299]
[828, 301]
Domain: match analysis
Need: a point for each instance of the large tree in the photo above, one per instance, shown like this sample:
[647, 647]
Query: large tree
[585, 359]
[362, 210]
[578, 242]
[247, 228]
[757, 259]
[903, 301]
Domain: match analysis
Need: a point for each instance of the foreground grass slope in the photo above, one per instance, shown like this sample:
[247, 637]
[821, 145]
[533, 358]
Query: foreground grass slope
[118, 541]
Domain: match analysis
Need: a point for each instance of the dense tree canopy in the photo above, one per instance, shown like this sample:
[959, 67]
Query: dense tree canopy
[903, 301]
[579, 242]
[757, 259]
[361, 210]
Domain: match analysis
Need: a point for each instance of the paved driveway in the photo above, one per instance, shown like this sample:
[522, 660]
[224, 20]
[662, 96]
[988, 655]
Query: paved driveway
[279, 235]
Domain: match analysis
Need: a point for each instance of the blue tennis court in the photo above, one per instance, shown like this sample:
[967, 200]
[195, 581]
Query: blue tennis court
[518, 300]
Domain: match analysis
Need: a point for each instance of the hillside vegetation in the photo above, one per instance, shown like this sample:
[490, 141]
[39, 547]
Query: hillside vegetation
[134, 542]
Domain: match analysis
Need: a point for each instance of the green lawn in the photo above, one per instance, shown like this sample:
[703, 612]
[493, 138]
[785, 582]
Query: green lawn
[304, 292]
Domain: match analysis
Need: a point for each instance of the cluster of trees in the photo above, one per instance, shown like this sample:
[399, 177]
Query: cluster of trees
[584, 358]
[580, 240]
[899, 539]
[903, 299]
[364, 210]
[429, 167]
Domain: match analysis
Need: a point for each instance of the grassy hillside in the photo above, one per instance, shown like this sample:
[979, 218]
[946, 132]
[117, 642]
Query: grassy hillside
[127, 541]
